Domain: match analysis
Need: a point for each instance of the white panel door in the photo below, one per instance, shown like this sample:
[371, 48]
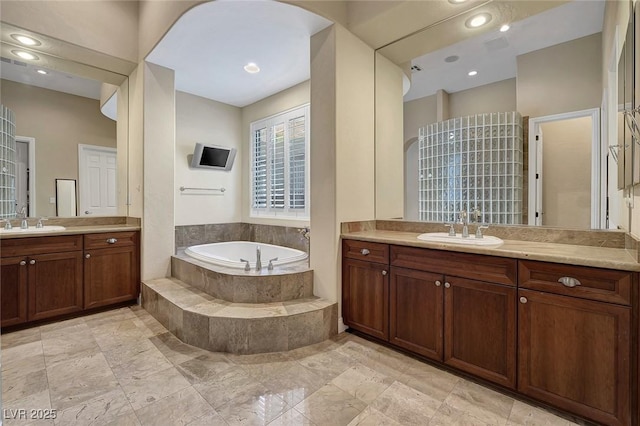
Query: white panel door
[97, 180]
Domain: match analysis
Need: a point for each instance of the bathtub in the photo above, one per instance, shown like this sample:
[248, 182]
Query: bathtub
[229, 254]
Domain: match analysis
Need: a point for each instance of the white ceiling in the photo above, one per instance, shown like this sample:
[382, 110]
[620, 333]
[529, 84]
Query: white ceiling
[210, 44]
[570, 21]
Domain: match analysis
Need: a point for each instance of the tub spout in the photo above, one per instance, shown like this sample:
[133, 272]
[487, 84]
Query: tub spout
[258, 262]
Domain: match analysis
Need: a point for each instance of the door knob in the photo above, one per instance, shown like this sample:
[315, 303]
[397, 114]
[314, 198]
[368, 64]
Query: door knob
[447, 285]
[87, 212]
[32, 262]
[87, 256]
[384, 272]
[23, 262]
[523, 299]
[438, 283]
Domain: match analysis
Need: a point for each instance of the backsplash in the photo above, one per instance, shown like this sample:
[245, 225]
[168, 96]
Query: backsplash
[189, 235]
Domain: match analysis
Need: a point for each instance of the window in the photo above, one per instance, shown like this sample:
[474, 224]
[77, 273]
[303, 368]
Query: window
[280, 165]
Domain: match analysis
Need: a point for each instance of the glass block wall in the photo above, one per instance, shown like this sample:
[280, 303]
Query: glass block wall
[471, 163]
[7, 163]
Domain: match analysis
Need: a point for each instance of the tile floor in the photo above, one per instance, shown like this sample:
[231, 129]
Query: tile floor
[123, 368]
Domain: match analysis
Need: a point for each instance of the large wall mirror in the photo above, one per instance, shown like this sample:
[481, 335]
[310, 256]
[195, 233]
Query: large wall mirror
[61, 101]
[513, 119]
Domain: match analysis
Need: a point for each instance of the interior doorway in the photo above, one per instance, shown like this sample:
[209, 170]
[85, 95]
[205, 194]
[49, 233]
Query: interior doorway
[97, 176]
[565, 171]
[25, 183]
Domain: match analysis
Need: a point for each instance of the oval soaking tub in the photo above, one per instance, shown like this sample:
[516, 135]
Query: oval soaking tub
[229, 254]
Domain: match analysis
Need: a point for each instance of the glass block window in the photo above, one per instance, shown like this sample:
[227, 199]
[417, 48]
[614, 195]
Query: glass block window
[472, 163]
[7, 163]
[280, 165]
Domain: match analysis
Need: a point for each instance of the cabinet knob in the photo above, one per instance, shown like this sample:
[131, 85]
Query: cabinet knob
[112, 240]
[23, 262]
[438, 283]
[569, 282]
[447, 285]
[32, 262]
[523, 299]
[384, 272]
[364, 252]
[87, 256]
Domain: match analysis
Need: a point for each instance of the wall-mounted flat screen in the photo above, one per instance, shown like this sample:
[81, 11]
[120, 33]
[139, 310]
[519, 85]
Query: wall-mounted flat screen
[213, 157]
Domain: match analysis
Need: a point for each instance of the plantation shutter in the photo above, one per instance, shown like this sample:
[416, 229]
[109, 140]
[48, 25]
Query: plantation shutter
[297, 160]
[260, 168]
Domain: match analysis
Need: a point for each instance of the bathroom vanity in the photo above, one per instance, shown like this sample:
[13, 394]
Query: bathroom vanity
[520, 316]
[67, 272]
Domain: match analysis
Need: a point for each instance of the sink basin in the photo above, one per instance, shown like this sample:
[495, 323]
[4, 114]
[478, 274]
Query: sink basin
[444, 237]
[18, 230]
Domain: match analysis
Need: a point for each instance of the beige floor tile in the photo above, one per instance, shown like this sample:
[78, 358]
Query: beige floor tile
[372, 417]
[526, 415]
[62, 347]
[430, 380]
[141, 365]
[211, 419]
[107, 408]
[124, 353]
[175, 350]
[17, 338]
[19, 412]
[57, 327]
[78, 380]
[294, 383]
[327, 365]
[363, 383]
[205, 367]
[115, 334]
[22, 386]
[480, 403]
[254, 409]
[330, 405]
[180, 408]
[146, 390]
[232, 384]
[406, 405]
[291, 417]
[14, 355]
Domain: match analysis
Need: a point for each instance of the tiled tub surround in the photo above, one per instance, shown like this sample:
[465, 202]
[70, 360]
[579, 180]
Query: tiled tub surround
[189, 235]
[244, 312]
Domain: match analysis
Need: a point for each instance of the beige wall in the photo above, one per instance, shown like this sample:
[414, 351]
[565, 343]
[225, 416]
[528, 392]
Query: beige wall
[203, 120]
[285, 100]
[418, 113]
[494, 97]
[107, 26]
[562, 78]
[58, 122]
[389, 152]
[566, 192]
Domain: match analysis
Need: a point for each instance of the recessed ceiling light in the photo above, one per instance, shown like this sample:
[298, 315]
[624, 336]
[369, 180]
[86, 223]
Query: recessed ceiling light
[43, 72]
[504, 28]
[478, 20]
[252, 68]
[26, 40]
[25, 55]
[472, 73]
[457, 1]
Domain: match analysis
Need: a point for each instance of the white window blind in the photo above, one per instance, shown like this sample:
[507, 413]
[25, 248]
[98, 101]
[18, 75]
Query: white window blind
[279, 165]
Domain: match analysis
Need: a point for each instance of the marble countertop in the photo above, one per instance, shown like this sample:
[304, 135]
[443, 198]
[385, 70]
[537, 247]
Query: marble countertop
[72, 230]
[601, 257]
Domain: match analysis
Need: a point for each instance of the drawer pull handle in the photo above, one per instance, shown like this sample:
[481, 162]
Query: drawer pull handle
[438, 283]
[23, 262]
[364, 252]
[32, 262]
[569, 282]
[87, 256]
[384, 272]
[112, 240]
[447, 285]
[523, 300]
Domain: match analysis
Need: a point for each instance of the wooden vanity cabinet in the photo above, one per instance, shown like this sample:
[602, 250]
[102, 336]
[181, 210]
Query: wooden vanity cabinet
[111, 268]
[365, 288]
[574, 343]
[13, 291]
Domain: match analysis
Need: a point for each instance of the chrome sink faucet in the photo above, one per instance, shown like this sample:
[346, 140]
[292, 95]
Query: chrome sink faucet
[464, 220]
[23, 212]
[258, 262]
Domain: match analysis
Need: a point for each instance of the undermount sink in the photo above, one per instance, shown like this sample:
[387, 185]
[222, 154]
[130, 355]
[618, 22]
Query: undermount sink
[18, 230]
[444, 237]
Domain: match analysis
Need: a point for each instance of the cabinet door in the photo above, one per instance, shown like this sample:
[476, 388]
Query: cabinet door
[416, 312]
[365, 297]
[110, 276]
[55, 284]
[480, 329]
[13, 291]
[574, 354]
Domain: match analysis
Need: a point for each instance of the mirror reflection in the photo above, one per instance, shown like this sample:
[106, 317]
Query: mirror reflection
[505, 124]
[58, 107]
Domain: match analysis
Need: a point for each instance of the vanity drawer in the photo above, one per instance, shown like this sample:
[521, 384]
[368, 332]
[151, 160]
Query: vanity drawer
[110, 240]
[40, 245]
[492, 269]
[606, 285]
[367, 251]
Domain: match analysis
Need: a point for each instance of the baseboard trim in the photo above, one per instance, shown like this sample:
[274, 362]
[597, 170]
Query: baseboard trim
[341, 327]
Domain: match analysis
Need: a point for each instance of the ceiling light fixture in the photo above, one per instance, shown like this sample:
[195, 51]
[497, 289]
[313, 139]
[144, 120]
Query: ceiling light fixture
[472, 73]
[452, 58]
[478, 20]
[43, 72]
[25, 55]
[457, 1]
[26, 40]
[252, 68]
[504, 28]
